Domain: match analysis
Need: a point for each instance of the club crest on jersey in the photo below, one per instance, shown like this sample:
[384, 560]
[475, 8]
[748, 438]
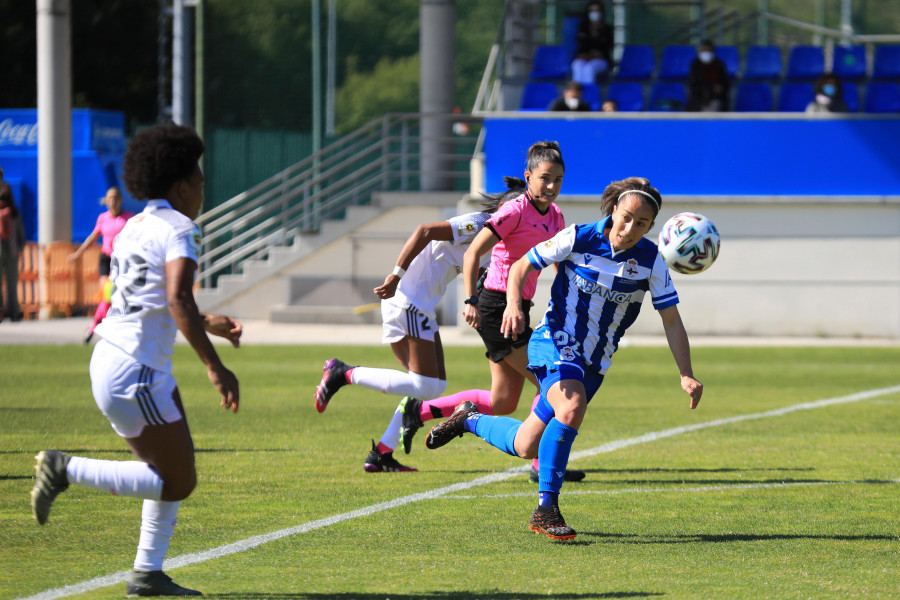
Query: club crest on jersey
[566, 353]
[467, 228]
[630, 268]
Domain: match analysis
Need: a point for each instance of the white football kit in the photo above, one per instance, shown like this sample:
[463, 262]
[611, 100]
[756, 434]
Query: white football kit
[131, 366]
[411, 311]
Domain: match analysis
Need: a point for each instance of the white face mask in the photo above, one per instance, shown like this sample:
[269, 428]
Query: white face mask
[595, 16]
[572, 103]
[706, 56]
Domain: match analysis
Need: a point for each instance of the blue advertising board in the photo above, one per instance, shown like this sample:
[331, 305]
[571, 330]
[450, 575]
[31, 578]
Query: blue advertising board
[724, 155]
[98, 145]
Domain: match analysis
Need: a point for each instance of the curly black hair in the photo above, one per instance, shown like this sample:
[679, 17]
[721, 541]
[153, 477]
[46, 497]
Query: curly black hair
[158, 157]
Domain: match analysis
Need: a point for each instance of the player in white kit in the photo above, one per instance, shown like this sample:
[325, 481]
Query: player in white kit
[153, 268]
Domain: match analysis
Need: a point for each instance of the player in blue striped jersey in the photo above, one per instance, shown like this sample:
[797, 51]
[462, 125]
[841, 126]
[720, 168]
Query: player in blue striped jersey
[604, 271]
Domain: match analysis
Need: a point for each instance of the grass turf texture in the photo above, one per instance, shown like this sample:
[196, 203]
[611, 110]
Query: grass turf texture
[673, 518]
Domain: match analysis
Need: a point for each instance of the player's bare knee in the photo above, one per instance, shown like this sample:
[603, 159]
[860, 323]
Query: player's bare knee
[179, 487]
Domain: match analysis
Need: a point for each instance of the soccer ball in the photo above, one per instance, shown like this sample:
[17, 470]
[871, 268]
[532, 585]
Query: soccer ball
[689, 243]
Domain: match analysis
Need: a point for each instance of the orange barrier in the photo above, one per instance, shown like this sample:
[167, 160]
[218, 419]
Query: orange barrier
[72, 287]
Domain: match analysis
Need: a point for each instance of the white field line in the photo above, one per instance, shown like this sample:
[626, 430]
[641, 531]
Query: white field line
[695, 489]
[252, 542]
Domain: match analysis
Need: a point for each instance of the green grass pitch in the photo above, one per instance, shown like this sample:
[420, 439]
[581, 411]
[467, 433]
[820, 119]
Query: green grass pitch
[799, 504]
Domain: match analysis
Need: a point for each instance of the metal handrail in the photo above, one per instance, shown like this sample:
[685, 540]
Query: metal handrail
[383, 154]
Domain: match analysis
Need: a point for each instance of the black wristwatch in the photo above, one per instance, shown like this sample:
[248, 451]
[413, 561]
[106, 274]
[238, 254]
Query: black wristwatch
[473, 300]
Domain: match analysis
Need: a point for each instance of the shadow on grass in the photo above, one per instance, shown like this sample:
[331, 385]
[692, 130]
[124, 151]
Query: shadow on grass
[459, 595]
[724, 538]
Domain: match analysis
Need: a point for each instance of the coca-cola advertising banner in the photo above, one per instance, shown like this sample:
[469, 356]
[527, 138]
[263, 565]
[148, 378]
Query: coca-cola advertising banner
[98, 130]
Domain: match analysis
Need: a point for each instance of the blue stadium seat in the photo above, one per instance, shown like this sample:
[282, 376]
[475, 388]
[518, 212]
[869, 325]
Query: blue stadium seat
[851, 95]
[668, 96]
[882, 97]
[550, 62]
[591, 94]
[676, 62]
[805, 63]
[637, 63]
[887, 63]
[570, 34]
[628, 95]
[731, 57]
[794, 96]
[753, 96]
[762, 63]
[537, 95]
[849, 62]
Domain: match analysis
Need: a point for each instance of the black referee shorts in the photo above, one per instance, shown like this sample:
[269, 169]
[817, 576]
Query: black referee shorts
[491, 305]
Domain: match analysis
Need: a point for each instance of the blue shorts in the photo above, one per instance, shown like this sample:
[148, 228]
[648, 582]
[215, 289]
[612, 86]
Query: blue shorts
[554, 358]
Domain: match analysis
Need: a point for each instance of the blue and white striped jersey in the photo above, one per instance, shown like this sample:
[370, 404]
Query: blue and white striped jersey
[597, 293]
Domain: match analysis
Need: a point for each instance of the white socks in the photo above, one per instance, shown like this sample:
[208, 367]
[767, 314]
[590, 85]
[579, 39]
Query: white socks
[131, 478]
[398, 383]
[391, 435]
[157, 524]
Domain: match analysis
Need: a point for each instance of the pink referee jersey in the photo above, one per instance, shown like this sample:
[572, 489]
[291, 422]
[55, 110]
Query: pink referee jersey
[520, 227]
[109, 227]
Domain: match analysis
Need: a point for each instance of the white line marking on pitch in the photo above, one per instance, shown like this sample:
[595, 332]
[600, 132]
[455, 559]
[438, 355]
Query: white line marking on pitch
[252, 542]
[699, 488]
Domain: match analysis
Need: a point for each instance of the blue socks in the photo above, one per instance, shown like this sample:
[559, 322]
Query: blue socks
[553, 455]
[499, 432]
[553, 452]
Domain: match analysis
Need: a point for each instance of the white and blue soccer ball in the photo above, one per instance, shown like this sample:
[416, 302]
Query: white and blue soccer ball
[689, 243]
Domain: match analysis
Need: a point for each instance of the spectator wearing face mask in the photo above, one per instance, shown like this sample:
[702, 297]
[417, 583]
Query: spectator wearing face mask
[829, 96]
[571, 99]
[593, 54]
[708, 82]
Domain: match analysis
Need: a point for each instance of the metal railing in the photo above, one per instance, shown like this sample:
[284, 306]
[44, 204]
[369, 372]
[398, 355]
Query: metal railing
[383, 155]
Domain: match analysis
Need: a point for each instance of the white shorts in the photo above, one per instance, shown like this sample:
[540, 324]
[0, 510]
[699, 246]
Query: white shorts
[129, 394]
[399, 322]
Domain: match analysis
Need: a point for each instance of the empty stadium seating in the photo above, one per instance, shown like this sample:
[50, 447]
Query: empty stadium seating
[628, 95]
[794, 96]
[886, 64]
[762, 63]
[550, 62]
[676, 62]
[753, 96]
[537, 95]
[637, 63]
[849, 62]
[805, 63]
[667, 96]
[882, 97]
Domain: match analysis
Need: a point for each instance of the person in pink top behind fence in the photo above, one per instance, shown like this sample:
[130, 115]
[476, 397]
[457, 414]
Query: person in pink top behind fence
[108, 226]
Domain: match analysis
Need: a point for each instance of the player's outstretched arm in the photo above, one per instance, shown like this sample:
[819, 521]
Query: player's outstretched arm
[183, 306]
[681, 350]
[421, 237]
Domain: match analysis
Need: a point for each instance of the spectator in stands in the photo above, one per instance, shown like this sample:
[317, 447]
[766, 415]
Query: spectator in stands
[594, 43]
[829, 96]
[571, 99]
[708, 81]
[108, 226]
[609, 106]
[12, 242]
